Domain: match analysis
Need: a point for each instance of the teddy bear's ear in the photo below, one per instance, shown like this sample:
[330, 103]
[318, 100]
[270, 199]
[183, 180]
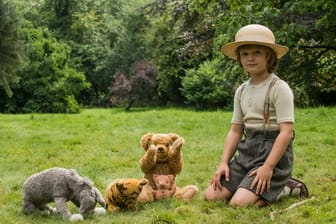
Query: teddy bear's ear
[145, 140]
[171, 177]
[173, 136]
[143, 182]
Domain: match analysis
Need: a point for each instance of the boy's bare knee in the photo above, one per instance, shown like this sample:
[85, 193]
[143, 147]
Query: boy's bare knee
[214, 195]
[209, 197]
[234, 202]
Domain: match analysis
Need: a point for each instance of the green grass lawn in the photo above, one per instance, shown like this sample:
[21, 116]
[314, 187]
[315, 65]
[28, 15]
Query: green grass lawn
[103, 144]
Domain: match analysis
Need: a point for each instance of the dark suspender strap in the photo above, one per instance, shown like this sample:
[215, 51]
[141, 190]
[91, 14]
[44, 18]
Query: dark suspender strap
[268, 100]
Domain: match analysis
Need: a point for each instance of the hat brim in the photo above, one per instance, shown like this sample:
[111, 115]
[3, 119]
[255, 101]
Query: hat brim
[230, 49]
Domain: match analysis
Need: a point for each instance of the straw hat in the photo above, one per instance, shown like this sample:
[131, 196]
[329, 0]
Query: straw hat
[254, 34]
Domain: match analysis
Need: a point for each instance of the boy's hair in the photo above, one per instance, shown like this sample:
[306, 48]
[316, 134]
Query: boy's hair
[272, 60]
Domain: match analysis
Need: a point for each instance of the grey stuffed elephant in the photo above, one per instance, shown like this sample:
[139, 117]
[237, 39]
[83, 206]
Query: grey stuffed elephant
[61, 185]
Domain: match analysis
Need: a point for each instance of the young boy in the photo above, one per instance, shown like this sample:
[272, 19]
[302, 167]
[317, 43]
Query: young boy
[264, 115]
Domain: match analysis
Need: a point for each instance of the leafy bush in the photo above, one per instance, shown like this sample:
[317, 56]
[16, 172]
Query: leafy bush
[210, 85]
[47, 82]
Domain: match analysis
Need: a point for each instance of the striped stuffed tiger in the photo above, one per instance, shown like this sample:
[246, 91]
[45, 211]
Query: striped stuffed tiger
[123, 193]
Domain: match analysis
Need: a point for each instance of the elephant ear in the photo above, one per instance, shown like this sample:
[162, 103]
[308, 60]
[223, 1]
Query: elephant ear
[69, 182]
[72, 178]
[145, 141]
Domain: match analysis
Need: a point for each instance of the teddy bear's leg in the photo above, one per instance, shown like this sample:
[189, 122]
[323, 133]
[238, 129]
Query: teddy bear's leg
[146, 194]
[186, 192]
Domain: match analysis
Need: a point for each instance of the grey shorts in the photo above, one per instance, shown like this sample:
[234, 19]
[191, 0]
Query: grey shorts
[252, 153]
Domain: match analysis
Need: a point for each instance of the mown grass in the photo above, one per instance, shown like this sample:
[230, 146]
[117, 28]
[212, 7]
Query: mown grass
[103, 144]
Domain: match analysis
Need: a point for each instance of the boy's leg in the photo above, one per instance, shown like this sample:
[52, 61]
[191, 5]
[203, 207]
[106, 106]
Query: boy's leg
[212, 195]
[243, 197]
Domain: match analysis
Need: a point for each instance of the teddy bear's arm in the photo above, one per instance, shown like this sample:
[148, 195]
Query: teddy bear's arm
[176, 147]
[171, 193]
[148, 161]
[162, 194]
[175, 161]
[175, 165]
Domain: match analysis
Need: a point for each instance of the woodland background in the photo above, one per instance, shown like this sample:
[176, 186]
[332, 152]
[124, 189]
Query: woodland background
[58, 56]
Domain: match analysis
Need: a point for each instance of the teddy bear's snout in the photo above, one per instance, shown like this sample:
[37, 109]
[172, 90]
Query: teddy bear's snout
[160, 149]
[164, 186]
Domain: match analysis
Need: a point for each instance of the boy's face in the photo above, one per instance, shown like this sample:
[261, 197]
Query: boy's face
[253, 58]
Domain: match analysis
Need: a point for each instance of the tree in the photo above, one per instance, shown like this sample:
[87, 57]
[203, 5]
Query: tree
[179, 39]
[182, 39]
[48, 83]
[83, 25]
[311, 70]
[127, 47]
[308, 29]
[143, 82]
[141, 86]
[120, 90]
[9, 47]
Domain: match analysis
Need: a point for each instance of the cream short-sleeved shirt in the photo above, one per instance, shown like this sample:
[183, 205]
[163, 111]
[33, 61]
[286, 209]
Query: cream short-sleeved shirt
[249, 109]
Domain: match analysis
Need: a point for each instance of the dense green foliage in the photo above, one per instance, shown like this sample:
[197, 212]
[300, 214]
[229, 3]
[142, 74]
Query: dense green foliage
[208, 86]
[10, 57]
[104, 144]
[96, 40]
[204, 26]
[47, 83]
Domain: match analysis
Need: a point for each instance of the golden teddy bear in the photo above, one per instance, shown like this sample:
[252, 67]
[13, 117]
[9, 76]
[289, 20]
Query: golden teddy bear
[163, 156]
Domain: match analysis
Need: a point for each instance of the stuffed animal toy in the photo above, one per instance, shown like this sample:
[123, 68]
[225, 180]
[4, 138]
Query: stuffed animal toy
[123, 193]
[60, 185]
[163, 156]
[165, 186]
